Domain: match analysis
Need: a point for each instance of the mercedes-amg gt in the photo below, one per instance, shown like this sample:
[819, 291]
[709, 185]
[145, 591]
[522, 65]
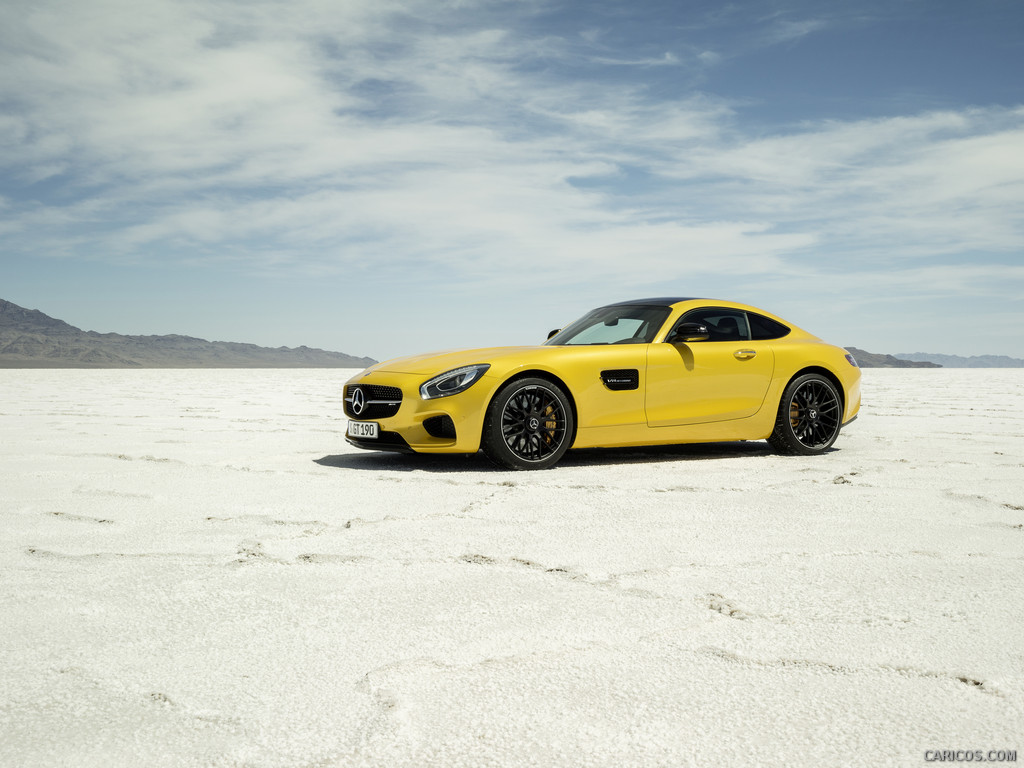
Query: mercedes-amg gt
[645, 372]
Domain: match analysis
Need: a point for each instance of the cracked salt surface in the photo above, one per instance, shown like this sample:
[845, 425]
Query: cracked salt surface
[196, 571]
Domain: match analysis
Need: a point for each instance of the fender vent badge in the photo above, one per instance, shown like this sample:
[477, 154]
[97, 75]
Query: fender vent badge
[621, 379]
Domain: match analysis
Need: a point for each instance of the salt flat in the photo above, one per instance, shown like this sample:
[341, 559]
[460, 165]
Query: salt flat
[196, 570]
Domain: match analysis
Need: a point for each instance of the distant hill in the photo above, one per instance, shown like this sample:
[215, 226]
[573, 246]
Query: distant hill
[956, 361]
[30, 339]
[871, 360]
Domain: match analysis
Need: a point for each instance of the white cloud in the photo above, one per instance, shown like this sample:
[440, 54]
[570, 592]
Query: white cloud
[917, 186]
[786, 31]
[335, 136]
[667, 59]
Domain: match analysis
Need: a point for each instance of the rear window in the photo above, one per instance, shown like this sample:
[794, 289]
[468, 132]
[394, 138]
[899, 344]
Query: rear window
[763, 328]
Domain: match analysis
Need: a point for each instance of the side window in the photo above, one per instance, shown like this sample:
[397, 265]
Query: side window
[763, 328]
[723, 324]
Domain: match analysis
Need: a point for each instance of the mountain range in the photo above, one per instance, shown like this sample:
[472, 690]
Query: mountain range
[31, 339]
[874, 360]
[958, 361]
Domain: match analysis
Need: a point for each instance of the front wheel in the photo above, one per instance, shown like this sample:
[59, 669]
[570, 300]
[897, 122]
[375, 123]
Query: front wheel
[810, 414]
[529, 425]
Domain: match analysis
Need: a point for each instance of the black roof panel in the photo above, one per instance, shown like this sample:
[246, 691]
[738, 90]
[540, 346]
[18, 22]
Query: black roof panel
[662, 301]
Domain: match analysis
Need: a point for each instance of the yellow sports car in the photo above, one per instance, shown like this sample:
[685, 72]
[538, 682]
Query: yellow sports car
[645, 372]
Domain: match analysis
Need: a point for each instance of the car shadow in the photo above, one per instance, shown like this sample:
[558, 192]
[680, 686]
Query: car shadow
[584, 457]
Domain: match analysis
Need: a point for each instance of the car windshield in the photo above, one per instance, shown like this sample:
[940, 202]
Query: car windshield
[614, 325]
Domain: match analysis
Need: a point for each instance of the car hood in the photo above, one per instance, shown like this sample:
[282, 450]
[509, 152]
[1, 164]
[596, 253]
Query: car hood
[439, 362]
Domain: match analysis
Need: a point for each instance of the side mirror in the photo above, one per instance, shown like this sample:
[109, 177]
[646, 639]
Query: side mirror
[552, 333]
[688, 332]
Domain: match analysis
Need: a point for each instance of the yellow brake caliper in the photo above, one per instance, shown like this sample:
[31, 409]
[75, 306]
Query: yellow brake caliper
[550, 424]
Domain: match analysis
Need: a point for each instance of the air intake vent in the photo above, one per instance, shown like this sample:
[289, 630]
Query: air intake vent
[621, 379]
[440, 426]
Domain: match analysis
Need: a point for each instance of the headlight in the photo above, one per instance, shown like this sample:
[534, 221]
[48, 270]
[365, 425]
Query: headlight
[452, 382]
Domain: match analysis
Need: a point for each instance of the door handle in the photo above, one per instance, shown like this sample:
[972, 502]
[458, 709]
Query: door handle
[744, 354]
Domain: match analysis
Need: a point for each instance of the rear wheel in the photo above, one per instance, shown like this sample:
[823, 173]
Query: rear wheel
[810, 414]
[528, 425]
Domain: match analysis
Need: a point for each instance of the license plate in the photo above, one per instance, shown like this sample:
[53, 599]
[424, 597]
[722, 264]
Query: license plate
[366, 430]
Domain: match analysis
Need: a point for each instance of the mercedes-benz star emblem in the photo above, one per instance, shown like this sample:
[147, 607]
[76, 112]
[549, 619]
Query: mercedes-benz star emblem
[358, 401]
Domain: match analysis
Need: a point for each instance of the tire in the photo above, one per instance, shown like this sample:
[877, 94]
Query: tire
[529, 425]
[809, 418]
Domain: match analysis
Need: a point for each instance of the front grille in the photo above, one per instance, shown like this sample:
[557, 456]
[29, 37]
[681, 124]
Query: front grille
[377, 402]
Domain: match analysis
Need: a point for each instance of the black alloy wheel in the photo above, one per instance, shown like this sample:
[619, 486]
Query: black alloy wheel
[809, 418]
[529, 425]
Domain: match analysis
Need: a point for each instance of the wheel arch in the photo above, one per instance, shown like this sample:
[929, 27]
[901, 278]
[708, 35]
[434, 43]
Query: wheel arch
[540, 373]
[821, 371]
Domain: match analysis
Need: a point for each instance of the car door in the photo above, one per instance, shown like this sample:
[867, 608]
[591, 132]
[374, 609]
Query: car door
[725, 377]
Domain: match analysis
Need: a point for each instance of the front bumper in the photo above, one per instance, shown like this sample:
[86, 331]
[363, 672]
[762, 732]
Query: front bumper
[442, 425]
[385, 441]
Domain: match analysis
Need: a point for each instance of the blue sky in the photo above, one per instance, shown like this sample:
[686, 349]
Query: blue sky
[385, 177]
